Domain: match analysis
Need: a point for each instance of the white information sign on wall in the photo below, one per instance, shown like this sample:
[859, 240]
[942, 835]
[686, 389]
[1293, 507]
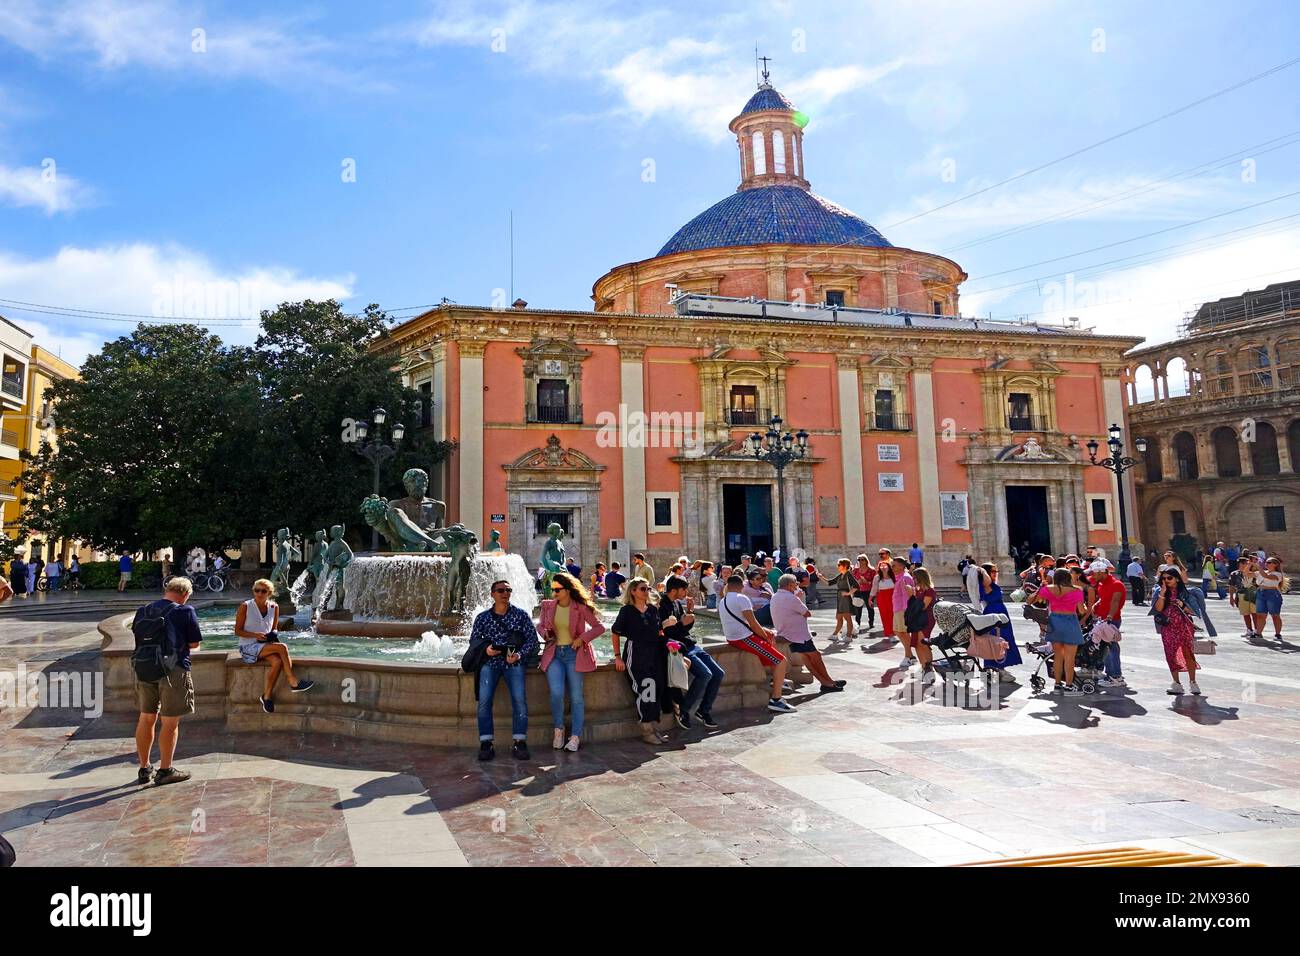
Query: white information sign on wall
[954, 510]
[888, 453]
[889, 481]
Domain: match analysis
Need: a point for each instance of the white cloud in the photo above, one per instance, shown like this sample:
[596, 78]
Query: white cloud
[116, 34]
[43, 187]
[1151, 300]
[145, 279]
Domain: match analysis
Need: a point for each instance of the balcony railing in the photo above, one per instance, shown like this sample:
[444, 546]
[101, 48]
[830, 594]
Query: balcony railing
[748, 417]
[1026, 423]
[553, 414]
[890, 422]
[12, 386]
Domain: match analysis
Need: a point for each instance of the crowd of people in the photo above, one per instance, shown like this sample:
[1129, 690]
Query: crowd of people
[25, 577]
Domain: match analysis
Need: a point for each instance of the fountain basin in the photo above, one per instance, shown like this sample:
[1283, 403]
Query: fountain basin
[398, 701]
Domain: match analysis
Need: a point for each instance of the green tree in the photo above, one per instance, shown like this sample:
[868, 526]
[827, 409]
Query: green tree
[151, 440]
[316, 368]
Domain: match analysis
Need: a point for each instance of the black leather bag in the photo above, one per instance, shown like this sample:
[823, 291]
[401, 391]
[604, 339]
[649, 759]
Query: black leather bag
[1037, 613]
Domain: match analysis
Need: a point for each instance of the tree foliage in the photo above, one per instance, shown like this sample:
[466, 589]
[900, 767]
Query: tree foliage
[171, 439]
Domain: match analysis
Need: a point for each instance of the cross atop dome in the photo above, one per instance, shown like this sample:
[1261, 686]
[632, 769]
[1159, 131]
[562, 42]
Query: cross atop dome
[766, 75]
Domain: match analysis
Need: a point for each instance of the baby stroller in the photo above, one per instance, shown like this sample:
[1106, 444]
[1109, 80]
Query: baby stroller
[1089, 661]
[965, 642]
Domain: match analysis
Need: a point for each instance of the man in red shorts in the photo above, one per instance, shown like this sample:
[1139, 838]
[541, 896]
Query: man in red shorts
[743, 632]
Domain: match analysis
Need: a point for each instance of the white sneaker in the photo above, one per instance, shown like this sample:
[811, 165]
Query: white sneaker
[1191, 686]
[572, 745]
[787, 685]
[905, 663]
[1071, 691]
[1106, 682]
[1119, 682]
[1174, 688]
[557, 741]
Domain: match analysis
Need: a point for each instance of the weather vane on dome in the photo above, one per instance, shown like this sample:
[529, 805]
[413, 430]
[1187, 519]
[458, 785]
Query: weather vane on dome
[765, 60]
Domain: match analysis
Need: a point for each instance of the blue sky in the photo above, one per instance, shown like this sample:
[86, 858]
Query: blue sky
[140, 159]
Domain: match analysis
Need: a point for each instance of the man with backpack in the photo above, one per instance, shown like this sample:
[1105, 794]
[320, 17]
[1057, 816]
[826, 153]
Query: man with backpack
[165, 633]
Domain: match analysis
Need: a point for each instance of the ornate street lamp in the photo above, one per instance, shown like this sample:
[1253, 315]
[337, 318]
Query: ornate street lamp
[778, 449]
[1118, 463]
[376, 451]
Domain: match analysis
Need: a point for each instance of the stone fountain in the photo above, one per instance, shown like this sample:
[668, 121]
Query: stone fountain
[432, 578]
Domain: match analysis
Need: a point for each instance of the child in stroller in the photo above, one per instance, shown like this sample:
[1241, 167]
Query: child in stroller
[1089, 661]
[965, 642]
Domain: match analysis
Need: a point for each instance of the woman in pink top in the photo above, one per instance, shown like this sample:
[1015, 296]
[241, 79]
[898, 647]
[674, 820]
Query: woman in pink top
[904, 588]
[1068, 605]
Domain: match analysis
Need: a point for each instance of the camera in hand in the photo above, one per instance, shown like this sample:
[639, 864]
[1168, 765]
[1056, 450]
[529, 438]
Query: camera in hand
[273, 637]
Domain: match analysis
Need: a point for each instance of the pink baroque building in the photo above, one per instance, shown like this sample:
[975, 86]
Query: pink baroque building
[625, 423]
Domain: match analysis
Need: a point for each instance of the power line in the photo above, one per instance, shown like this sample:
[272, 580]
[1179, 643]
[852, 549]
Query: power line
[1148, 235]
[1101, 142]
[1189, 173]
[97, 315]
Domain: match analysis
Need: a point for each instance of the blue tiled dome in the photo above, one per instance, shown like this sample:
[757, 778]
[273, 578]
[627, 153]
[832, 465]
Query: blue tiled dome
[766, 99]
[773, 214]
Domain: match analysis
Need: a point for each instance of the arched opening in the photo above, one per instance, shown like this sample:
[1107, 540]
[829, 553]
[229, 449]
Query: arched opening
[1176, 378]
[1254, 368]
[1185, 457]
[760, 155]
[778, 151]
[1293, 443]
[1263, 450]
[1152, 455]
[1144, 385]
[1288, 363]
[1218, 374]
[1227, 453]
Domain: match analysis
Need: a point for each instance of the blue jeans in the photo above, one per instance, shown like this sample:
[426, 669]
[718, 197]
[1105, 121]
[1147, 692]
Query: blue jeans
[488, 676]
[706, 678]
[1111, 666]
[563, 670]
[1196, 598]
[53, 582]
[713, 602]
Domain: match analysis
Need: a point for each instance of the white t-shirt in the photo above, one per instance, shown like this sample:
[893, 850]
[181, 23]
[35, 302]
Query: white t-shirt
[731, 610]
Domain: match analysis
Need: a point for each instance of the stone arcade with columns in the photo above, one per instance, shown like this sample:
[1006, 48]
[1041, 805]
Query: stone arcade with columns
[1220, 409]
[625, 423]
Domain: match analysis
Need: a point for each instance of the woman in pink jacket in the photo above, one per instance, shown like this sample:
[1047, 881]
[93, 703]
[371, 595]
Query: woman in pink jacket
[568, 624]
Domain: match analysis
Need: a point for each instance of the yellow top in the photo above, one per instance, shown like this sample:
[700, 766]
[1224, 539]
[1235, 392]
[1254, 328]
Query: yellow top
[563, 637]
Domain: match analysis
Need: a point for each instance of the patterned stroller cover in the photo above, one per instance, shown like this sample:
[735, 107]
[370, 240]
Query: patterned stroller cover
[966, 627]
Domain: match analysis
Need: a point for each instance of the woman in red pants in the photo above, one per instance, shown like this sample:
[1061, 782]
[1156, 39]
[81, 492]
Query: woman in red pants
[884, 591]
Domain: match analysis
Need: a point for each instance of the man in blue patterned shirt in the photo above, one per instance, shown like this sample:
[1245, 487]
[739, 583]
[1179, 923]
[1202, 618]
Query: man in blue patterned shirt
[512, 641]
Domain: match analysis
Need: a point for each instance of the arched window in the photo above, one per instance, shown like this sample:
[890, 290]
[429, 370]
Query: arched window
[1254, 367]
[760, 157]
[1218, 374]
[1263, 450]
[794, 152]
[1144, 386]
[1185, 457]
[1227, 453]
[1288, 362]
[778, 151]
[1176, 377]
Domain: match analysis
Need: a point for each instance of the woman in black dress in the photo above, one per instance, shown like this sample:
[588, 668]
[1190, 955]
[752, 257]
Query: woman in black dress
[644, 656]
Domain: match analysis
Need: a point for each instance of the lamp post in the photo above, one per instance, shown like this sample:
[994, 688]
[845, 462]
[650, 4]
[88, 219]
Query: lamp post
[1118, 463]
[376, 451]
[778, 449]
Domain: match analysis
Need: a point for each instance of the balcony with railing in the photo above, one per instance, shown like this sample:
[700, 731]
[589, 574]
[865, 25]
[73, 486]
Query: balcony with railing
[12, 385]
[9, 437]
[748, 417]
[889, 422]
[553, 414]
[1026, 423]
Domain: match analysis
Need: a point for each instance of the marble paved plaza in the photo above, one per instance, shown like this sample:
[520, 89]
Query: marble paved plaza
[878, 775]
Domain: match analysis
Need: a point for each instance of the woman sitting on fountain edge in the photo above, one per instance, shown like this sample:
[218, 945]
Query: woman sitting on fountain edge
[256, 624]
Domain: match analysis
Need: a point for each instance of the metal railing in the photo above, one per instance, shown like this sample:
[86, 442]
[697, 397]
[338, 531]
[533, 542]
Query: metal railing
[12, 386]
[553, 414]
[890, 422]
[1026, 423]
[748, 417]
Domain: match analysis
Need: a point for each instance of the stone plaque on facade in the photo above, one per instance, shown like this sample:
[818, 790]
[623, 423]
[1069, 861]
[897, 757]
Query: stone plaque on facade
[889, 481]
[828, 512]
[954, 510]
[889, 453]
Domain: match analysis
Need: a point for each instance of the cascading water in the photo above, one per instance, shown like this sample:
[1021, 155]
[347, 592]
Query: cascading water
[412, 587]
[299, 588]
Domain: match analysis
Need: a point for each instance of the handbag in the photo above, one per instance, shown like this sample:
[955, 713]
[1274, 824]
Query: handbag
[1205, 647]
[679, 677]
[1037, 613]
[988, 647]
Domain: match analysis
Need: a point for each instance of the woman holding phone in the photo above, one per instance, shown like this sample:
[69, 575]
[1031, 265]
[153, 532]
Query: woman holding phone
[644, 657]
[1067, 606]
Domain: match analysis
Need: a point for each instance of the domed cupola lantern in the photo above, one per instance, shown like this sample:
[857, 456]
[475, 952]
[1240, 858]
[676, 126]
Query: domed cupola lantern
[769, 135]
